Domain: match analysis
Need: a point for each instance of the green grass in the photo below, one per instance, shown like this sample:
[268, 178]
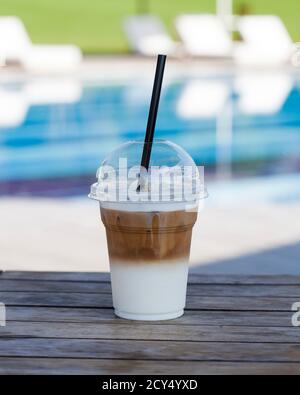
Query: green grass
[96, 25]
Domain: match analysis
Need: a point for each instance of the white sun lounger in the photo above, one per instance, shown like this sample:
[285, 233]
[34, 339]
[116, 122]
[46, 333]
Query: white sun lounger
[147, 36]
[14, 104]
[204, 35]
[13, 108]
[52, 91]
[266, 40]
[262, 93]
[202, 99]
[16, 46]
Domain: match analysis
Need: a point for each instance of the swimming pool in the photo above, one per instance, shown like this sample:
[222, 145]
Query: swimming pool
[241, 126]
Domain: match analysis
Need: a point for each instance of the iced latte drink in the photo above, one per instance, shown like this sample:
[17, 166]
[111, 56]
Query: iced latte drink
[149, 239]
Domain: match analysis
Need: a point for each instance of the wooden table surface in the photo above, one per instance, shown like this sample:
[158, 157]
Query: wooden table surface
[64, 323]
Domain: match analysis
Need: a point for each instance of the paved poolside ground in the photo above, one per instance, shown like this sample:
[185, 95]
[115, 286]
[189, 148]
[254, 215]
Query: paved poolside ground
[67, 235]
[118, 67]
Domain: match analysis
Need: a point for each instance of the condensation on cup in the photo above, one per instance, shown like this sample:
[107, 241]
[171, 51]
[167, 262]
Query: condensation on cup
[149, 215]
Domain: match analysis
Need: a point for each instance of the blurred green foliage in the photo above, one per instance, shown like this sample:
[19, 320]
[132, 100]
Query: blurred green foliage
[96, 25]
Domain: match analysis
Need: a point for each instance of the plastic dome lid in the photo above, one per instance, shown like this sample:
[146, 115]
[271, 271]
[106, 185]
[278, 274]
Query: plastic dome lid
[172, 175]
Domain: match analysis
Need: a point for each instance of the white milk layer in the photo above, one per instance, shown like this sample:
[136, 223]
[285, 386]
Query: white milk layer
[149, 291]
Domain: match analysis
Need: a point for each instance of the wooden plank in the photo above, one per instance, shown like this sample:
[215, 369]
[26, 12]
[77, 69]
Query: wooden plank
[191, 317]
[193, 278]
[193, 289]
[239, 303]
[233, 324]
[149, 350]
[54, 286]
[105, 301]
[269, 291]
[132, 331]
[56, 299]
[39, 366]
[236, 279]
[55, 276]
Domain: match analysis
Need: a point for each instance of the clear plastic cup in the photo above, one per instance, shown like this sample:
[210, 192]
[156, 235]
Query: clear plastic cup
[149, 230]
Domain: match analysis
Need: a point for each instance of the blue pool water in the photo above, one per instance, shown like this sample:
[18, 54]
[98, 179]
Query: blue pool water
[240, 128]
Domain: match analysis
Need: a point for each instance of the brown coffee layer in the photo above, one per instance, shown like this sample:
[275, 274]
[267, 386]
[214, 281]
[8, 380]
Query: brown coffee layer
[139, 237]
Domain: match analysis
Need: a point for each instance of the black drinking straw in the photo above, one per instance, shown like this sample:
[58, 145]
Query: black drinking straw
[159, 74]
